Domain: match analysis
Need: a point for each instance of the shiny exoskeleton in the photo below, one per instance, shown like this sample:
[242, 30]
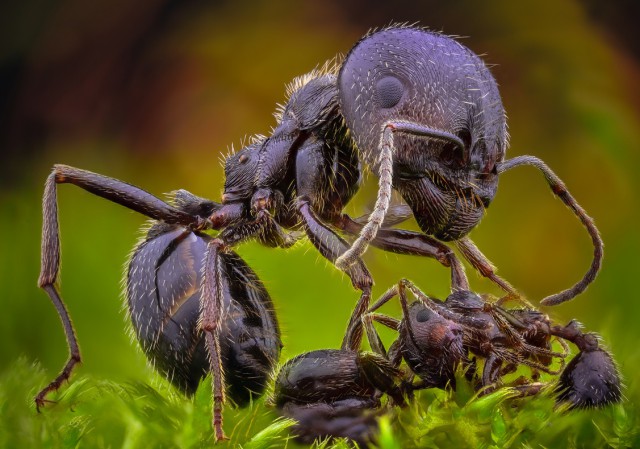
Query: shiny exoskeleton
[164, 299]
[591, 379]
[417, 107]
[336, 392]
[196, 307]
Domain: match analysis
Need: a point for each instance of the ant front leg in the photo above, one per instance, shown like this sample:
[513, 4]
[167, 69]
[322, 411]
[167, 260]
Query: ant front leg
[331, 246]
[313, 188]
[484, 266]
[402, 241]
[113, 190]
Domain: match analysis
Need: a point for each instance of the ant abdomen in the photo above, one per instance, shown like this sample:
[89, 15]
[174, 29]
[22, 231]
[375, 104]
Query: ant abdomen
[591, 379]
[164, 295]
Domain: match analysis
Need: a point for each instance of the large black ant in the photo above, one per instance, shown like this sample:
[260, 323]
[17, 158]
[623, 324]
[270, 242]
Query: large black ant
[419, 108]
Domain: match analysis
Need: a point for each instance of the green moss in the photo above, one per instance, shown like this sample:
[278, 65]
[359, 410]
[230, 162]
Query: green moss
[93, 413]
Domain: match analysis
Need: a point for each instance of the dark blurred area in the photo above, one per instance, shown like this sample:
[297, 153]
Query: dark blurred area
[155, 91]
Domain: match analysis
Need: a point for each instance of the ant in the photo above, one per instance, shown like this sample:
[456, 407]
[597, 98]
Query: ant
[337, 392]
[428, 120]
[435, 337]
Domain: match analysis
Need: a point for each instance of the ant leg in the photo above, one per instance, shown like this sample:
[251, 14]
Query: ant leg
[479, 261]
[111, 189]
[372, 335]
[379, 372]
[310, 164]
[211, 311]
[386, 321]
[126, 195]
[395, 353]
[385, 298]
[264, 228]
[529, 389]
[491, 371]
[401, 241]
[264, 203]
[353, 337]
[396, 214]
[331, 245]
[560, 190]
[470, 367]
[439, 308]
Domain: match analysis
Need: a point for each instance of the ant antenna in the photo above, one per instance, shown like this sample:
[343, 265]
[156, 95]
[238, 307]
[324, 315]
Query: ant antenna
[560, 190]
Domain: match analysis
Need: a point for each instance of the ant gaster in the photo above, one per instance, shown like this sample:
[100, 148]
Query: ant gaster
[336, 392]
[195, 305]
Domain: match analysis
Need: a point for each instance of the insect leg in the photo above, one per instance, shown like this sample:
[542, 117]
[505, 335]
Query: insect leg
[386, 321]
[126, 195]
[372, 335]
[331, 245]
[439, 308]
[401, 241]
[211, 315]
[560, 190]
[491, 370]
[117, 191]
[353, 336]
[479, 261]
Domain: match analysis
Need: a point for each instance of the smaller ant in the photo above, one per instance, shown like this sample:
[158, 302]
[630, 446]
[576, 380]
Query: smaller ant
[437, 336]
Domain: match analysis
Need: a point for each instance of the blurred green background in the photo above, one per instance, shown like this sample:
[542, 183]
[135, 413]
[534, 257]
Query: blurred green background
[155, 92]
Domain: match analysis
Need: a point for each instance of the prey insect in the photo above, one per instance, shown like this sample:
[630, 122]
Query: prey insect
[435, 337]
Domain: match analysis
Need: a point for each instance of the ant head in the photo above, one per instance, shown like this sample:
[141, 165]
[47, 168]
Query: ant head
[448, 120]
[432, 345]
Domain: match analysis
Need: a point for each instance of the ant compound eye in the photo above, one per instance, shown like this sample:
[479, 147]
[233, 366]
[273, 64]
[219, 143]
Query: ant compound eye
[243, 159]
[423, 315]
[389, 91]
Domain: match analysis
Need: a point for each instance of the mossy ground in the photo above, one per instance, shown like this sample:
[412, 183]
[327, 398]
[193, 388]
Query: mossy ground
[98, 413]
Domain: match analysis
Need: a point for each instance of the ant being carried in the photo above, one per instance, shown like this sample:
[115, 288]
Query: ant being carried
[421, 110]
[337, 393]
